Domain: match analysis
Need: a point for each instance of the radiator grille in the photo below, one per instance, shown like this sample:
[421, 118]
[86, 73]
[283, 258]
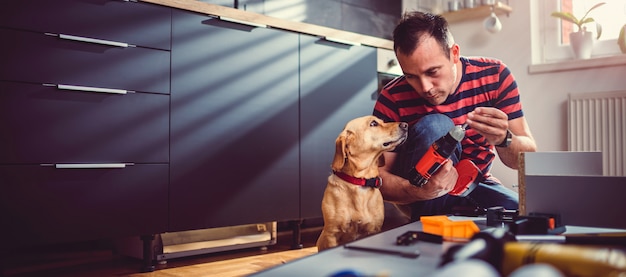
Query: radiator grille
[596, 123]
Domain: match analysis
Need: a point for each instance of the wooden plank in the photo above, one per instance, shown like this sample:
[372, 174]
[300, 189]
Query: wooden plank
[480, 12]
[242, 266]
[521, 183]
[299, 27]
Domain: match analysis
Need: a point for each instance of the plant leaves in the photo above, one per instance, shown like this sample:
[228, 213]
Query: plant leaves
[621, 40]
[592, 8]
[587, 20]
[565, 16]
[583, 20]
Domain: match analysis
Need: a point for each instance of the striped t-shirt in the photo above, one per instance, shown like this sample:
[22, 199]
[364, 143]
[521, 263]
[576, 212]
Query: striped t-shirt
[485, 83]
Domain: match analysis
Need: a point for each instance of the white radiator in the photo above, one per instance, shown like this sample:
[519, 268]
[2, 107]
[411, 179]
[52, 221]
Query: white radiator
[597, 123]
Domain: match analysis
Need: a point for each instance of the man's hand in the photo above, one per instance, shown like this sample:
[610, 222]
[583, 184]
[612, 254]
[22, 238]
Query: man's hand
[441, 182]
[491, 123]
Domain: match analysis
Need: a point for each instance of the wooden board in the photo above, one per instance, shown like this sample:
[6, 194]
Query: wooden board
[254, 18]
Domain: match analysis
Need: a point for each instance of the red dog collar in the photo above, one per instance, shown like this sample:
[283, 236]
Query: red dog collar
[375, 182]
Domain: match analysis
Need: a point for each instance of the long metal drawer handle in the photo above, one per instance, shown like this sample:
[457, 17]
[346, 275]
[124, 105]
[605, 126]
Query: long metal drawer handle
[342, 41]
[92, 89]
[95, 40]
[233, 20]
[89, 166]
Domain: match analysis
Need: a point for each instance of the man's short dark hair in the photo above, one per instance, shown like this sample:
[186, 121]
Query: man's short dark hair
[414, 25]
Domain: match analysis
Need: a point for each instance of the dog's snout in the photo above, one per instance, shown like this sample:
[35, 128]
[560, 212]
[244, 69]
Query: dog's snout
[404, 125]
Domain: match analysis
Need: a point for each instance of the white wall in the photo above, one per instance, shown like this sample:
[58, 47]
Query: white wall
[543, 95]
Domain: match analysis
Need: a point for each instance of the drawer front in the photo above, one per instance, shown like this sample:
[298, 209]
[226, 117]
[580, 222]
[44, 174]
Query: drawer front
[49, 205]
[49, 125]
[140, 24]
[40, 58]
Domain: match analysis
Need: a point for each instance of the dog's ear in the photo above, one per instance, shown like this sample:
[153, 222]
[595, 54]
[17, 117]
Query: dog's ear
[341, 151]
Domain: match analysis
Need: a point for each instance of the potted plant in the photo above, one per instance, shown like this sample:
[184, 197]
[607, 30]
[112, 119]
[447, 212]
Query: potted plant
[621, 40]
[581, 40]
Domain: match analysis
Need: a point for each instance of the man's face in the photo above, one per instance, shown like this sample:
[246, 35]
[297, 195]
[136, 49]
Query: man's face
[429, 71]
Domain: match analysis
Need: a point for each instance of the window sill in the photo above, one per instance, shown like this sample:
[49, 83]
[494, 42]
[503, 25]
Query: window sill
[568, 65]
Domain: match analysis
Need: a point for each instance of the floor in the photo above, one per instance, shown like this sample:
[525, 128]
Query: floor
[96, 258]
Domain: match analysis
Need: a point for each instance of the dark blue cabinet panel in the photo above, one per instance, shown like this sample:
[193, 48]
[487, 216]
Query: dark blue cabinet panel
[234, 124]
[337, 85]
[40, 58]
[130, 22]
[48, 125]
[112, 110]
[43, 204]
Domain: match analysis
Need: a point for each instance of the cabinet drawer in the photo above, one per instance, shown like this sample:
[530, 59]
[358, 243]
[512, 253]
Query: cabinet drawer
[140, 24]
[47, 125]
[49, 205]
[40, 58]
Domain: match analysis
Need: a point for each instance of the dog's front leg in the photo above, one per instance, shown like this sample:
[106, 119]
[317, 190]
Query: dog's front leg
[327, 239]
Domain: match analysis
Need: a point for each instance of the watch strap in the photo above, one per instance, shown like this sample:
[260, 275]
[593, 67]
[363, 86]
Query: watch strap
[507, 140]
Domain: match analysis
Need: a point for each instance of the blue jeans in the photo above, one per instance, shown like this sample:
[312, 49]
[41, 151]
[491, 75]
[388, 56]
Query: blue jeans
[488, 193]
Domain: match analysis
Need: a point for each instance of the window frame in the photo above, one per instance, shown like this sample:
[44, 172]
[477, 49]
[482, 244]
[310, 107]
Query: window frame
[551, 48]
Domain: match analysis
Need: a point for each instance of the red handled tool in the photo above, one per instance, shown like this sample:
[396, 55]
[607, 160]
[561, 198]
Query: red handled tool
[438, 154]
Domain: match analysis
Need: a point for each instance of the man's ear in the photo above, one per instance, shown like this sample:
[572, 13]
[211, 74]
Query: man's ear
[455, 53]
[341, 150]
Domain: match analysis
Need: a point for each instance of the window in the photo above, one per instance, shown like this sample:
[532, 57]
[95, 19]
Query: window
[555, 37]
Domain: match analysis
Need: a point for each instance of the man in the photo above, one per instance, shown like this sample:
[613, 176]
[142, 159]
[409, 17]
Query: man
[440, 89]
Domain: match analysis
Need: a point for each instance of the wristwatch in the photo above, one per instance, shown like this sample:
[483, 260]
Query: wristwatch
[507, 140]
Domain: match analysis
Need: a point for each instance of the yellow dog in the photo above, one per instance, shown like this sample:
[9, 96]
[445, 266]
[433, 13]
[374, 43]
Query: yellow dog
[352, 205]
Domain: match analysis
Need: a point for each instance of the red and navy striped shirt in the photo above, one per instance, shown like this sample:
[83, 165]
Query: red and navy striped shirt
[485, 83]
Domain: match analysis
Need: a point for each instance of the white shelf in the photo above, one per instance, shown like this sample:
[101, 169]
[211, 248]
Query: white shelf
[477, 12]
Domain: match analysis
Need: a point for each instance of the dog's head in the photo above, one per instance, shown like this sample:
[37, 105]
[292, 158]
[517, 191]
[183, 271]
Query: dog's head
[364, 139]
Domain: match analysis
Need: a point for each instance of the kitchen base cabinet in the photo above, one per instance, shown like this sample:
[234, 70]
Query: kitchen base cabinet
[234, 124]
[84, 109]
[213, 123]
[338, 83]
[44, 59]
[132, 22]
[49, 125]
[42, 204]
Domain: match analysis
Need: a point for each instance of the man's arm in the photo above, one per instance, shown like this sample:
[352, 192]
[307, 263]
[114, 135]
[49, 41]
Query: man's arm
[492, 123]
[399, 191]
[521, 141]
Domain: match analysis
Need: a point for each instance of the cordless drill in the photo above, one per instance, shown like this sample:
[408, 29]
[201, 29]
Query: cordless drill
[437, 155]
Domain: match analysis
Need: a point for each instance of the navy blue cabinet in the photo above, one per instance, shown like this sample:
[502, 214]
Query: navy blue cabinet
[130, 22]
[234, 124]
[40, 58]
[44, 204]
[126, 118]
[51, 125]
[338, 83]
[84, 105]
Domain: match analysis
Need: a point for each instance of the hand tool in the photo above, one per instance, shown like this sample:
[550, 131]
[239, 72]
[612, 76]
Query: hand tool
[438, 154]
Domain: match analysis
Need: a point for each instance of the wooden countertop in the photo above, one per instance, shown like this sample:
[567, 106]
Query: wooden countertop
[216, 10]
